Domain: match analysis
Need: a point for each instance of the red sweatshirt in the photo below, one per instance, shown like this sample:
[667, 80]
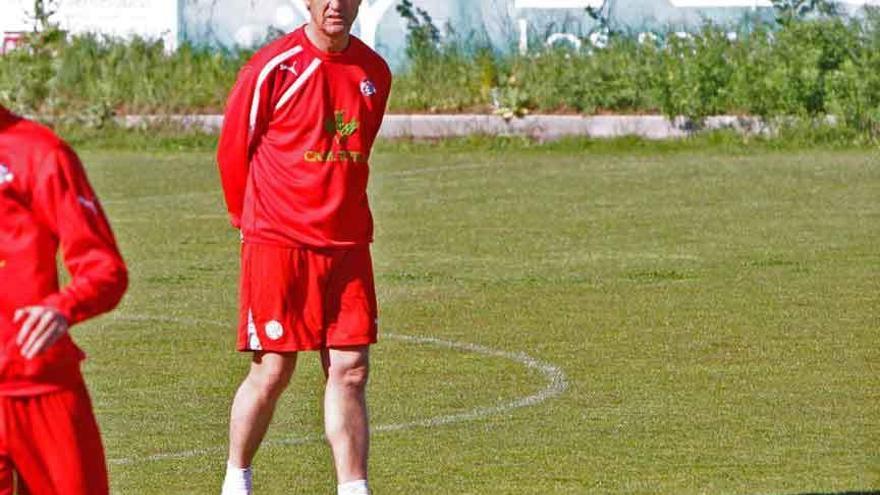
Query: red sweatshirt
[46, 202]
[296, 140]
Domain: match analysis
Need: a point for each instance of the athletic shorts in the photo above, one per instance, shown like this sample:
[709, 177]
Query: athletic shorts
[50, 443]
[302, 299]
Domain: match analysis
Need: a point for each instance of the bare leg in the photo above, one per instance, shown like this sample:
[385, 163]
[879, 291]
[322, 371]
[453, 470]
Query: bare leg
[254, 404]
[345, 410]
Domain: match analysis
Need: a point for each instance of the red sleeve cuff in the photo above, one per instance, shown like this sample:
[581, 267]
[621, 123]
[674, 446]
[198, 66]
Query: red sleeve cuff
[62, 304]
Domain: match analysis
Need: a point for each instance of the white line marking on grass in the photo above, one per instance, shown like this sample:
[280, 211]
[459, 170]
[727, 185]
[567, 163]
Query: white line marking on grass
[555, 377]
[556, 383]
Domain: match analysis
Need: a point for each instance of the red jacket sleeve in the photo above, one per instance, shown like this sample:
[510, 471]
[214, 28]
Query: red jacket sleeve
[245, 119]
[389, 81]
[65, 201]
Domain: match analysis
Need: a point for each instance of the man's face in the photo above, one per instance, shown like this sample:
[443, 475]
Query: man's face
[333, 17]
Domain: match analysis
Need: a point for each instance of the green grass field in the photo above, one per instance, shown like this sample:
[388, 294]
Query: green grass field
[683, 322]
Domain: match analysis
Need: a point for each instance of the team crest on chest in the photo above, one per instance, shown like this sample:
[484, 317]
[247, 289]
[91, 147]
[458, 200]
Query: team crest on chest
[368, 88]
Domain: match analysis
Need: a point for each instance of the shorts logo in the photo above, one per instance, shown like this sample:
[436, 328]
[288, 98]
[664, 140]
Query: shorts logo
[274, 330]
[368, 88]
[5, 174]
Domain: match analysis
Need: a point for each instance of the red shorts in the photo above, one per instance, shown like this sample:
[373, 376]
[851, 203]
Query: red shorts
[52, 445]
[301, 299]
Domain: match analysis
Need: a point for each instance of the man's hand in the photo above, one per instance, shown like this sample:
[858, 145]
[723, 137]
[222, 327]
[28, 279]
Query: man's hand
[41, 326]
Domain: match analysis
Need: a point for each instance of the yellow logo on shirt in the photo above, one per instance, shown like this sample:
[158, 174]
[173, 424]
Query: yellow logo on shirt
[334, 156]
[341, 130]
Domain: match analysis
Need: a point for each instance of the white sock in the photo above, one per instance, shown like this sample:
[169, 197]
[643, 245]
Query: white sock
[356, 487]
[238, 481]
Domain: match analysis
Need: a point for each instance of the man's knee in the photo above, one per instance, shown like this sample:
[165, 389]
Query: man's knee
[354, 376]
[271, 374]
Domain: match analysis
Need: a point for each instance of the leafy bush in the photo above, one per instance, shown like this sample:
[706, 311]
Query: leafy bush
[810, 65]
[695, 74]
[441, 76]
[854, 89]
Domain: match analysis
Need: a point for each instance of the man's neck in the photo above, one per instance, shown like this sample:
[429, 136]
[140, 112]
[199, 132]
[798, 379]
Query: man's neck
[326, 43]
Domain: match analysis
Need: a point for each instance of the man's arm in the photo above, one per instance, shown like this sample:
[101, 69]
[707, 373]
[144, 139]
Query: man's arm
[63, 199]
[242, 122]
[385, 81]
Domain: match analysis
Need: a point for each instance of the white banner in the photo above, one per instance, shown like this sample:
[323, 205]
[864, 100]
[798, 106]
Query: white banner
[556, 4]
[705, 4]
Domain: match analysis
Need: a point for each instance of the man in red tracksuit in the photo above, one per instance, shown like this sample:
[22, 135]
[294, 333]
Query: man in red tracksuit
[293, 156]
[49, 439]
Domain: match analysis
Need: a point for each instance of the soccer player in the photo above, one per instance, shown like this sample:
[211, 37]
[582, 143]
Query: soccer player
[293, 157]
[49, 439]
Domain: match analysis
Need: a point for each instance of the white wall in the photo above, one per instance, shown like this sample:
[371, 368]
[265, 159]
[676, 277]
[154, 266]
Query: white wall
[13, 16]
[752, 3]
[247, 22]
[148, 18]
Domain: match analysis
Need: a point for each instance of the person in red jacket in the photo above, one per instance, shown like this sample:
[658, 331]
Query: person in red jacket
[294, 161]
[49, 440]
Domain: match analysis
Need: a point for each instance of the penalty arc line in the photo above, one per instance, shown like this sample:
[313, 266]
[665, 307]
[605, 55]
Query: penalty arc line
[556, 384]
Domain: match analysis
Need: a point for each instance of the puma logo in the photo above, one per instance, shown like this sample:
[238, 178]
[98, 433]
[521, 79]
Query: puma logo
[290, 68]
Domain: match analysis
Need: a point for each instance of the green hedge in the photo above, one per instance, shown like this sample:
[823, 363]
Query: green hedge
[804, 70]
[96, 77]
[797, 72]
